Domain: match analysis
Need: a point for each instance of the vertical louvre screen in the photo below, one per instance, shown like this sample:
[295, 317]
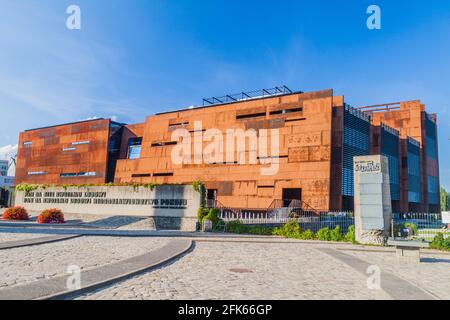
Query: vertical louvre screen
[414, 173]
[356, 142]
[390, 149]
[431, 152]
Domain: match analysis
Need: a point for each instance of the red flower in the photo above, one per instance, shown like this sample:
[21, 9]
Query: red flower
[16, 213]
[51, 216]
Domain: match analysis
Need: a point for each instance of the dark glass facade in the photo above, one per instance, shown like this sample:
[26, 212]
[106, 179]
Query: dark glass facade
[115, 139]
[390, 149]
[432, 160]
[413, 160]
[356, 142]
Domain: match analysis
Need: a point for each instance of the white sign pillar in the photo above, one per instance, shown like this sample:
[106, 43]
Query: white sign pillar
[373, 207]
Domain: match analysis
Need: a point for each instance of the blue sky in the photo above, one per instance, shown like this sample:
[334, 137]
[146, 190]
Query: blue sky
[134, 58]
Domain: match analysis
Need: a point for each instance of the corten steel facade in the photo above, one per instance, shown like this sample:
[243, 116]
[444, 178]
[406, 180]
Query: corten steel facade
[318, 137]
[76, 153]
[418, 145]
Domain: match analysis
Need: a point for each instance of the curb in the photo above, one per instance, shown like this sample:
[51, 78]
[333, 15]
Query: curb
[187, 248]
[36, 241]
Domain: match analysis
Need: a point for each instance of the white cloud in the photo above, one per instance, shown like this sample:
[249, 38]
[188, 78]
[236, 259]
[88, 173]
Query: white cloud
[91, 118]
[113, 118]
[6, 153]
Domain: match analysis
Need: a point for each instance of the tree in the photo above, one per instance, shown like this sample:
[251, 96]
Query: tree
[445, 200]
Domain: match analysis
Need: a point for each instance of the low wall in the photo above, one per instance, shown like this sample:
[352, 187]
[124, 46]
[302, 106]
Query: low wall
[174, 205]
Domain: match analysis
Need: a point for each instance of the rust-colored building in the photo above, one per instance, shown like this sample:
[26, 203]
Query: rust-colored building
[317, 133]
[75, 153]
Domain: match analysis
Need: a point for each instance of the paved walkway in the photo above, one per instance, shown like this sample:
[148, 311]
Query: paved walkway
[56, 287]
[24, 265]
[241, 271]
[219, 267]
[432, 275]
[394, 286]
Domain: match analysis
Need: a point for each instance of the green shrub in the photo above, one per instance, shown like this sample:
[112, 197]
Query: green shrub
[26, 187]
[200, 188]
[350, 236]
[413, 228]
[289, 230]
[336, 235]
[324, 234]
[440, 243]
[213, 215]
[261, 231]
[236, 227]
[292, 230]
[307, 235]
[202, 213]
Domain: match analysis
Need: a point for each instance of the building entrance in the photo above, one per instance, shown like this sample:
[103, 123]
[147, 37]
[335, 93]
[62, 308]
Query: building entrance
[291, 194]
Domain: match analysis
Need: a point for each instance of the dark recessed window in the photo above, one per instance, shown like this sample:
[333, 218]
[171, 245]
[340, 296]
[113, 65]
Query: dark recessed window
[277, 112]
[273, 157]
[294, 110]
[164, 174]
[141, 175]
[295, 120]
[68, 175]
[285, 111]
[175, 126]
[163, 144]
[250, 116]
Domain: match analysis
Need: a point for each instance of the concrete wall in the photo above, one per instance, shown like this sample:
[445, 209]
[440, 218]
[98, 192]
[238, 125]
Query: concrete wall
[373, 210]
[165, 201]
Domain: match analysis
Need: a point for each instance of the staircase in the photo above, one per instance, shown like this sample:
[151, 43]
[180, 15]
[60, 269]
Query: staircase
[278, 210]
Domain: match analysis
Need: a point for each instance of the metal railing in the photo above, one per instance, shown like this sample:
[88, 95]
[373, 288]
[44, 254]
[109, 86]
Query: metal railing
[405, 225]
[313, 222]
[249, 95]
[282, 211]
[424, 226]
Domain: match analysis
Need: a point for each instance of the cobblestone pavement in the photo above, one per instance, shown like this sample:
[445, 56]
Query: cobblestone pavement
[432, 275]
[222, 270]
[6, 237]
[27, 264]
[247, 271]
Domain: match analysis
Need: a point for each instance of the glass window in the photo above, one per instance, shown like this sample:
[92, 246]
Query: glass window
[134, 152]
[80, 174]
[134, 148]
[80, 143]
